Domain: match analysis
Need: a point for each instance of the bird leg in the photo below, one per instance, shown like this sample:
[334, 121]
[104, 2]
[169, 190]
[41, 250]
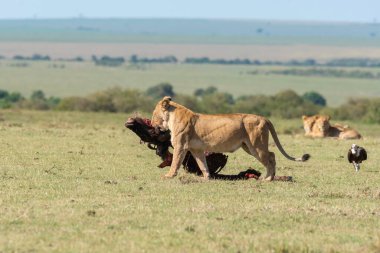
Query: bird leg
[357, 166]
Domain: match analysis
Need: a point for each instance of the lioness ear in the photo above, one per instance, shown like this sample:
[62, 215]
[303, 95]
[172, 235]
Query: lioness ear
[328, 117]
[165, 102]
[304, 117]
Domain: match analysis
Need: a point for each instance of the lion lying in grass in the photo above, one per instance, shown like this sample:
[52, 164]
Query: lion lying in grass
[319, 126]
[198, 133]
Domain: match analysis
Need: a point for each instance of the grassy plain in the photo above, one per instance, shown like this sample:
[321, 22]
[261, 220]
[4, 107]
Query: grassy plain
[81, 182]
[80, 79]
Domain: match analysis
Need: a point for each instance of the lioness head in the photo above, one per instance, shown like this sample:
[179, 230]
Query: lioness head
[322, 122]
[316, 125]
[160, 115]
[308, 123]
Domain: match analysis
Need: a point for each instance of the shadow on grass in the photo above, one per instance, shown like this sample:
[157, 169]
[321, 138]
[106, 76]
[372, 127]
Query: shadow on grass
[243, 175]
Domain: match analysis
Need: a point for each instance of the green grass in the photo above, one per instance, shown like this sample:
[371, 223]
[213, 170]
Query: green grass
[81, 182]
[80, 79]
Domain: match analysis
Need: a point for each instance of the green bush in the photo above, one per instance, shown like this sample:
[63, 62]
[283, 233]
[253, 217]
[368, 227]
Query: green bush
[110, 100]
[362, 109]
[4, 104]
[203, 92]
[38, 101]
[75, 104]
[315, 98]
[8, 99]
[285, 104]
[258, 104]
[217, 102]
[4, 94]
[190, 102]
[132, 101]
[160, 90]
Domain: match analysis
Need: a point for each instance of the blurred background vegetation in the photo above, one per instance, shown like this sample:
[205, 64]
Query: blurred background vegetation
[285, 104]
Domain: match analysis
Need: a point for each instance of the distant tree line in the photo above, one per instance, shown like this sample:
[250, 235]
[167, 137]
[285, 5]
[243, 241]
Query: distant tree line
[167, 59]
[285, 104]
[354, 62]
[206, 60]
[35, 57]
[325, 72]
[108, 61]
[135, 59]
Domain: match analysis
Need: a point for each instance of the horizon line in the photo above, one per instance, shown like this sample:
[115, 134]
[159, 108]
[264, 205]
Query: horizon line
[193, 18]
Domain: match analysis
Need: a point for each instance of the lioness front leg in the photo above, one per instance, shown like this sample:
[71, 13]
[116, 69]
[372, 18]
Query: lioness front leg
[178, 156]
[200, 158]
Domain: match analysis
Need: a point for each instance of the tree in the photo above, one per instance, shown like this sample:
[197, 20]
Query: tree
[204, 92]
[255, 104]
[315, 98]
[134, 59]
[14, 97]
[37, 95]
[287, 98]
[3, 94]
[161, 90]
[217, 103]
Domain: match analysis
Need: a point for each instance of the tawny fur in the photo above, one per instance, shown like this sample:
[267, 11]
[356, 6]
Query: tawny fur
[319, 126]
[198, 133]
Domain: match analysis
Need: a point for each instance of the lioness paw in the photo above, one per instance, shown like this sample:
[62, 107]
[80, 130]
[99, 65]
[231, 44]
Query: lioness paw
[168, 175]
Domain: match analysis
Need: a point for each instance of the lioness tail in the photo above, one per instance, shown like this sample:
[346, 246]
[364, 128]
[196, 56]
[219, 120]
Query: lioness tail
[304, 158]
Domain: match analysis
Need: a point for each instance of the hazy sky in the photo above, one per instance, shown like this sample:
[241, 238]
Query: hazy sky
[328, 10]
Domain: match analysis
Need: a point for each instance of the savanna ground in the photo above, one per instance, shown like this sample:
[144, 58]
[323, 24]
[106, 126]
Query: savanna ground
[81, 182]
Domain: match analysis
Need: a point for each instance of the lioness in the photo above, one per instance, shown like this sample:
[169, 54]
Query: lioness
[198, 133]
[319, 126]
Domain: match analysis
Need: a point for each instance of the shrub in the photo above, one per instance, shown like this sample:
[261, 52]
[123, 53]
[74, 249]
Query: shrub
[4, 104]
[258, 104]
[110, 100]
[190, 102]
[203, 92]
[132, 100]
[4, 94]
[217, 103]
[161, 90]
[363, 109]
[15, 97]
[315, 98]
[75, 104]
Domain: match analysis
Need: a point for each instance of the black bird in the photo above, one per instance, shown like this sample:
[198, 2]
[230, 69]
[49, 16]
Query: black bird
[356, 155]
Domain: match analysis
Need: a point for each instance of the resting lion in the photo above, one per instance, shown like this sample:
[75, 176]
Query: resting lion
[198, 133]
[319, 126]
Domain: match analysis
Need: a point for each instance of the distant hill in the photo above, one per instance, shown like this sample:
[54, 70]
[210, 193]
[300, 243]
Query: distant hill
[190, 31]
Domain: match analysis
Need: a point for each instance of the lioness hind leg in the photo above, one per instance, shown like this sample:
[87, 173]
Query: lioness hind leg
[266, 158]
[269, 161]
[200, 158]
[272, 165]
